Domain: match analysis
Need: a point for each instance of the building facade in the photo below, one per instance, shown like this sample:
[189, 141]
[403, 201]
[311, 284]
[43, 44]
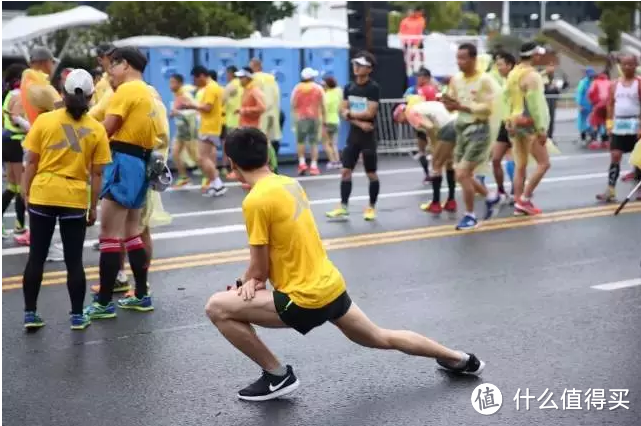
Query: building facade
[521, 12]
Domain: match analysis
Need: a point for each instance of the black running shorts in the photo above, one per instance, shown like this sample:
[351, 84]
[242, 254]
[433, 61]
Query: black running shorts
[422, 136]
[353, 151]
[12, 151]
[623, 143]
[503, 137]
[305, 320]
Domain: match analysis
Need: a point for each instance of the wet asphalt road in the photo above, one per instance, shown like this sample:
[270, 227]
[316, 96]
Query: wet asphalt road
[518, 295]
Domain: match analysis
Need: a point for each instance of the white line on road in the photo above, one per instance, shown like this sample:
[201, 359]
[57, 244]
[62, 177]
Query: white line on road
[618, 285]
[241, 228]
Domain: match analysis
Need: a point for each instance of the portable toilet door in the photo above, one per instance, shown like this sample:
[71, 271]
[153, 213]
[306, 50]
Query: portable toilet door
[284, 63]
[225, 57]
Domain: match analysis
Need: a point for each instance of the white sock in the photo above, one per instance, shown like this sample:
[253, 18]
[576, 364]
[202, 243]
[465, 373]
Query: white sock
[218, 183]
[301, 161]
[122, 277]
[279, 372]
[315, 164]
[470, 214]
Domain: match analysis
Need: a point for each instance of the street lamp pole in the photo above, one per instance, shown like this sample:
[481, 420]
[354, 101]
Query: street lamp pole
[543, 14]
[505, 18]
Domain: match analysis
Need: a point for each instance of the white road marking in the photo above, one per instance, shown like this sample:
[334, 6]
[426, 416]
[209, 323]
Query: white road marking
[226, 229]
[618, 285]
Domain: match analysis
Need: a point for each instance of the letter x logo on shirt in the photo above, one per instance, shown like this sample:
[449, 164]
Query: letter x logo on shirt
[72, 138]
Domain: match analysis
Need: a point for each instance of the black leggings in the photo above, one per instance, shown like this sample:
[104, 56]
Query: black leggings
[73, 226]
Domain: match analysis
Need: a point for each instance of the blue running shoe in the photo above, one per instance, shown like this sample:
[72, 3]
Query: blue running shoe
[32, 320]
[467, 222]
[142, 305]
[79, 321]
[98, 311]
[493, 206]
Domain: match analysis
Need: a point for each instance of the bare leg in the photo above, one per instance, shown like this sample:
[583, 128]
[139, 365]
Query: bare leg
[540, 154]
[465, 176]
[498, 153]
[177, 153]
[361, 330]
[233, 316]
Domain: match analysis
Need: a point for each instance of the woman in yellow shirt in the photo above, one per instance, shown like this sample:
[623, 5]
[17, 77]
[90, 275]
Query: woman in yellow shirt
[63, 148]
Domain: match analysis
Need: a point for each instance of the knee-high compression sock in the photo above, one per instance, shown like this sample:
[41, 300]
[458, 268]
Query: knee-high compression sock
[451, 184]
[109, 266]
[374, 188]
[637, 174]
[436, 188]
[613, 174]
[138, 262]
[346, 191]
[424, 164]
[7, 196]
[509, 168]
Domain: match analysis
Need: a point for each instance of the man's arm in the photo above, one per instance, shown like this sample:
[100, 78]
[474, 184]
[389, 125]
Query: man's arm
[609, 108]
[29, 173]
[483, 105]
[536, 103]
[373, 97]
[258, 268]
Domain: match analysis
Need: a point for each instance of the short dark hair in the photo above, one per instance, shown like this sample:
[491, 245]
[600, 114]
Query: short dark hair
[471, 49]
[103, 49]
[199, 70]
[213, 74]
[527, 47]
[367, 55]
[247, 148]
[507, 57]
[178, 77]
[423, 72]
[330, 81]
[134, 57]
[232, 69]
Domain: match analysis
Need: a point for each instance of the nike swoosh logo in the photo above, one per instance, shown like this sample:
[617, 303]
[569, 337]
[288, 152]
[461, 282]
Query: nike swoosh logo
[278, 386]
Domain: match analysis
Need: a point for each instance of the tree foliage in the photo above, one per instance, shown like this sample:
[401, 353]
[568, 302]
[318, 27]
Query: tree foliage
[261, 13]
[616, 17]
[471, 22]
[439, 16]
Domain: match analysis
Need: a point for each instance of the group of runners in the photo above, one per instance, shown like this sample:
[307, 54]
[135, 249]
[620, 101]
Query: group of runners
[81, 150]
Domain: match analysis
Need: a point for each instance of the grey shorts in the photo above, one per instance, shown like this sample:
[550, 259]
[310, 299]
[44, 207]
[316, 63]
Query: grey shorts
[332, 129]
[307, 132]
[447, 133]
[212, 139]
[472, 143]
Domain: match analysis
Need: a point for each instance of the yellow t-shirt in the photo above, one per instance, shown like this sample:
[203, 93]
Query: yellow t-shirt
[102, 89]
[476, 92]
[99, 110]
[67, 150]
[135, 104]
[277, 214]
[211, 123]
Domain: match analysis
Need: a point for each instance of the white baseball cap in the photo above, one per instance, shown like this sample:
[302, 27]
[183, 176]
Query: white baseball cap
[362, 61]
[79, 79]
[244, 72]
[308, 73]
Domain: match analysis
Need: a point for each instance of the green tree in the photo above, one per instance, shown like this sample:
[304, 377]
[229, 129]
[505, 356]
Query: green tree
[440, 16]
[394, 21]
[262, 13]
[616, 17]
[471, 22]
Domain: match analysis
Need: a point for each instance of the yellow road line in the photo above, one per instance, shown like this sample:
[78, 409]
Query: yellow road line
[337, 241]
[232, 256]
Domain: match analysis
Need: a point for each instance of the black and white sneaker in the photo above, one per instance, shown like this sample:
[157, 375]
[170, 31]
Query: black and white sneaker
[473, 366]
[216, 192]
[270, 386]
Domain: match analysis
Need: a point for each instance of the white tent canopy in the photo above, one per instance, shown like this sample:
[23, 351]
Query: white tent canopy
[27, 28]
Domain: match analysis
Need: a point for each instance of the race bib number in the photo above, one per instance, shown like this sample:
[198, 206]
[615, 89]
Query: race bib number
[626, 126]
[357, 104]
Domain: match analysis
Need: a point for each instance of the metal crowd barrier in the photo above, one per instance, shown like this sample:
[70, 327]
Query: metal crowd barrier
[400, 139]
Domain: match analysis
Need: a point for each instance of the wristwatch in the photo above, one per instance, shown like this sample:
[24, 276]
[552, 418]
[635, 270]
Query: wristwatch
[239, 283]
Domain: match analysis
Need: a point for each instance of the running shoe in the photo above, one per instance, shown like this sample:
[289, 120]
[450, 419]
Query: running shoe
[450, 206]
[427, 180]
[302, 169]
[19, 230]
[628, 177]
[121, 286]
[434, 208]
[133, 303]
[96, 246]
[245, 186]
[493, 205]
[609, 196]
[270, 386]
[132, 291]
[32, 320]
[182, 181]
[56, 253]
[232, 175]
[215, 192]
[5, 233]
[24, 238]
[313, 171]
[204, 185]
[369, 214]
[97, 311]
[473, 366]
[526, 208]
[79, 321]
[338, 213]
[467, 222]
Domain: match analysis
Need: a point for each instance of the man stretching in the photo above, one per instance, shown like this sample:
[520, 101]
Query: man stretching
[285, 247]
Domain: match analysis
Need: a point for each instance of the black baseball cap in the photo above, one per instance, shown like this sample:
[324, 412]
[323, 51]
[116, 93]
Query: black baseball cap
[133, 56]
[103, 49]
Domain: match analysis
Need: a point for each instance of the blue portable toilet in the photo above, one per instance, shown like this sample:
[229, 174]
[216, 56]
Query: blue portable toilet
[283, 60]
[217, 53]
[330, 59]
[165, 56]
